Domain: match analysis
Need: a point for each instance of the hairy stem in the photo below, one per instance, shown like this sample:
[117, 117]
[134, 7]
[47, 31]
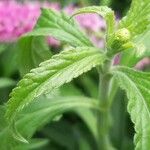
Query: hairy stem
[104, 117]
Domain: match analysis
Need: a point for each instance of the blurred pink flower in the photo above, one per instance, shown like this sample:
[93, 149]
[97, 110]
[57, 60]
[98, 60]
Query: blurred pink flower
[143, 63]
[91, 22]
[98, 42]
[52, 5]
[116, 60]
[17, 18]
[20, 18]
[53, 42]
[70, 9]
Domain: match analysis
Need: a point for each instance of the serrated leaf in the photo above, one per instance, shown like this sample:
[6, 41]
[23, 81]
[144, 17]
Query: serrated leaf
[61, 27]
[103, 11]
[137, 86]
[138, 17]
[51, 74]
[31, 52]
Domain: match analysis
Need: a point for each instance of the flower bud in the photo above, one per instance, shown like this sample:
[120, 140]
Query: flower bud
[123, 35]
[120, 41]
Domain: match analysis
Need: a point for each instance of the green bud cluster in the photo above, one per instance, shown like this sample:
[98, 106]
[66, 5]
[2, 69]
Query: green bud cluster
[121, 40]
[122, 35]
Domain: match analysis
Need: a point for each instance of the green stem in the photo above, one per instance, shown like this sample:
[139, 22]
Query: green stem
[104, 117]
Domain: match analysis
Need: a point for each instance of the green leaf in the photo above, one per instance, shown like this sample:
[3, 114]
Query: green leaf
[90, 119]
[34, 144]
[103, 11]
[51, 74]
[131, 57]
[62, 133]
[51, 108]
[137, 86]
[61, 27]
[87, 115]
[70, 89]
[2, 47]
[138, 17]
[143, 41]
[6, 139]
[39, 113]
[90, 87]
[32, 51]
[8, 60]
[6, 82]
[105, 2]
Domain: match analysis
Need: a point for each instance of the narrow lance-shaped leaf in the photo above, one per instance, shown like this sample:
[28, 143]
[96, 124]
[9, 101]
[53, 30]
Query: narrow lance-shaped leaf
[39, 113]
[137, 86]
[61, 27]
[103, 11]
[138, 17]
[51, 74]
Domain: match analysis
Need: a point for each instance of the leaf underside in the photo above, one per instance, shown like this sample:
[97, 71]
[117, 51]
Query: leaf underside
[137, 86]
